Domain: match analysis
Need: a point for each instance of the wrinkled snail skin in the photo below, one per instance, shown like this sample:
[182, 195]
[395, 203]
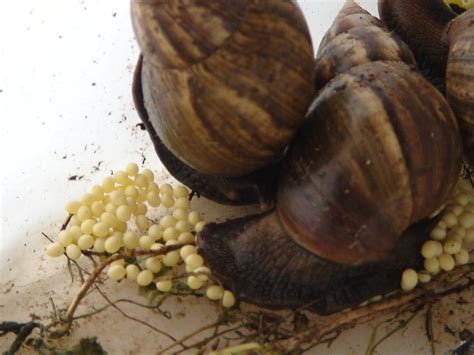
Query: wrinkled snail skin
[254, 257]
[445, 42]
[420, 23]
[460, 77]
[259, 187]
[226, 84]
[379, 151]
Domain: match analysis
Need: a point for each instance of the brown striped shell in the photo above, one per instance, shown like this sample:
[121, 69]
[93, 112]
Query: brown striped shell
[443, 46]
[379, 151]
[226, 83]
[460, 77]
[356, 38]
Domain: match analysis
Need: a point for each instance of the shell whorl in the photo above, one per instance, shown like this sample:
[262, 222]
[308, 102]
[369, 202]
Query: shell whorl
[226, 83]
[356, 38]
[380, 150]
[460, 77]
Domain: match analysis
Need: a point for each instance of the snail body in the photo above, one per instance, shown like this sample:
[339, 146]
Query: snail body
[225, 84]
[379, 151]
[443, 43]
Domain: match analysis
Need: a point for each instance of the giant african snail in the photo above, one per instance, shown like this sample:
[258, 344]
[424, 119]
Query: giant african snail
[378, 152]
[443, 43]
[223, 87]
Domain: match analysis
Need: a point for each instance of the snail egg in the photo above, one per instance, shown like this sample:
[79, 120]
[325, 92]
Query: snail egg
[108, 184]
[228, 299]
[65, 238]
[164, 285]
[99, 245]
[171, 258]
[153, 264]
[130, 240]
[100, 229]
[194, 282]
[187, 250]
[432, 265]
[155, 231]
[113, 244]
[429, 249]
[145, 242]
[181, 191]
[467, 219]
[167, 200]
[72, 207]
[462, 257]
[153, 198]
[142, 222]
[97, 208]
[148, 175]
[214, 292]
[85, 241]
[446, 262]
[54, 250]
[116, 272]
[121, 177]
[73, 251]
[409, 280]
[424, 277]
[132, 272]
[145, 277]
[83, 213]
[452, 246]
[131, 169]
[450, 219]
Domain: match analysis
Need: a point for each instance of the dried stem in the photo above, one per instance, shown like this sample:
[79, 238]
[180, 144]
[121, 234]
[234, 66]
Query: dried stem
[132, 318]
[98, 270]
[462, 279]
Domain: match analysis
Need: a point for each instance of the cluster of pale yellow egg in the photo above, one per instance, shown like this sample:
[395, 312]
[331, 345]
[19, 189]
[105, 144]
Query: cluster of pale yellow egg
[112, 218]
[449, 240]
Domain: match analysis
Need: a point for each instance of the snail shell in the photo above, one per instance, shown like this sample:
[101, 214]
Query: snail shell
[226, 83]
[460, 77]
[443, 44]
[378, 152]
[258, 187]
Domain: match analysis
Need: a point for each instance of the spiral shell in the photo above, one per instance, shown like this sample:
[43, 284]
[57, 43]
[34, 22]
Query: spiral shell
[460, 77]
[379, 151]
[226, 83]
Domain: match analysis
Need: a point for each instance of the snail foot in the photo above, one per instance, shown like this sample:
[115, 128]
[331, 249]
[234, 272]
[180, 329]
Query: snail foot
[254, 257]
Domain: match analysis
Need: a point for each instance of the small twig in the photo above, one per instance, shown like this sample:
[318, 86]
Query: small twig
[210, 338]
[98, 270]
[66, 222]
[123, 300]
[133, 318]
[187, 337]
[401, 324]
[400, 303]
[429, 327]
[46, 236]
[22, 330]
